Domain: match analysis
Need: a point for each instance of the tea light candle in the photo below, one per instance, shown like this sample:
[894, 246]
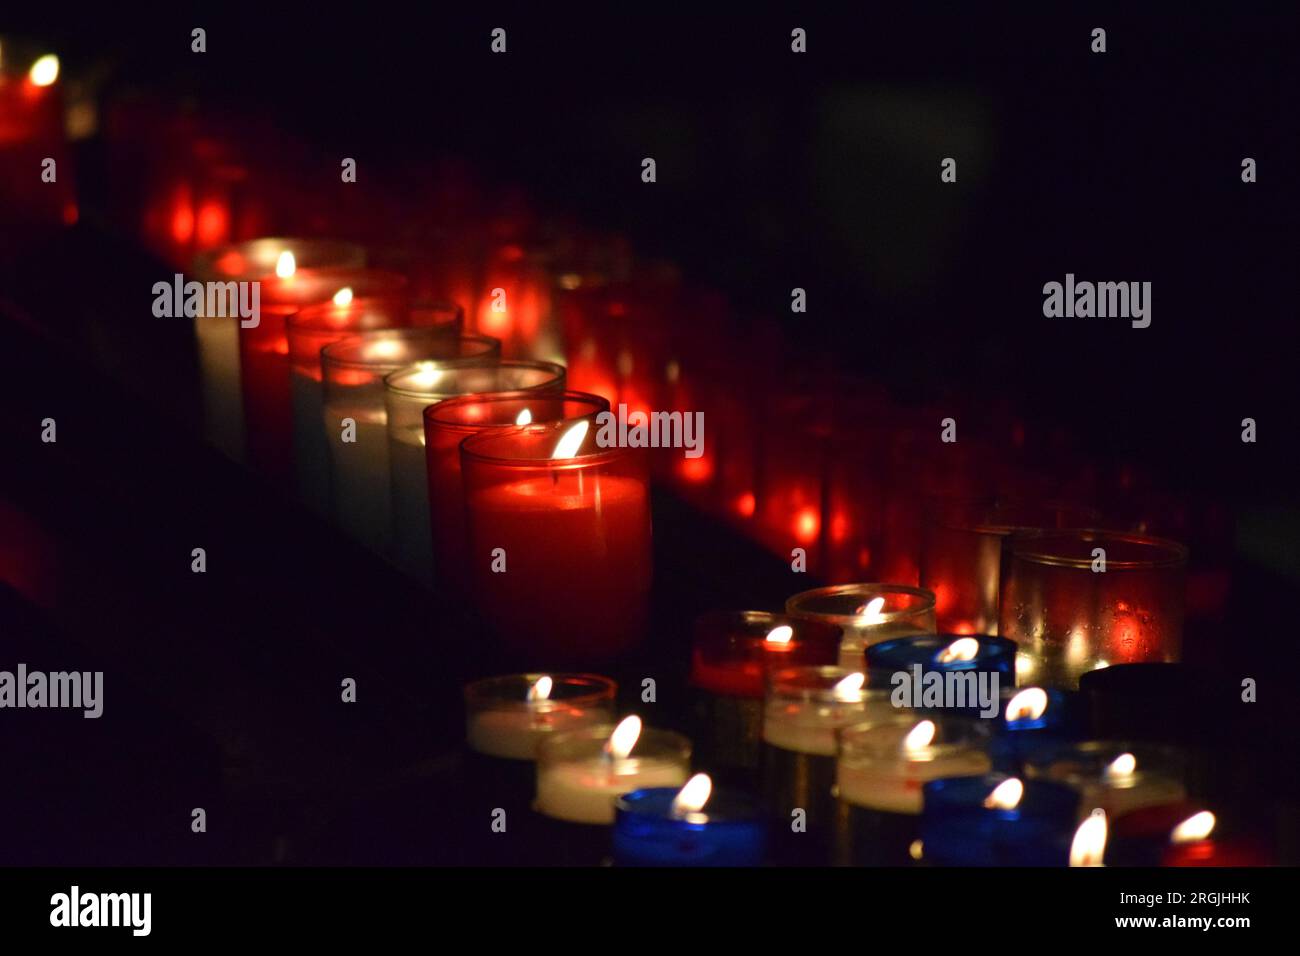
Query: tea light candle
[581, 774]
[449, 422]
[217, 337]
[407, 393]
[507, 717]
[733, 655]
[1113, 776]
[881, 768]
[693, 826]
[866, 614]
[353, 371]
[997, 820]
[907, 663]
[1031, 719]
[559, 533]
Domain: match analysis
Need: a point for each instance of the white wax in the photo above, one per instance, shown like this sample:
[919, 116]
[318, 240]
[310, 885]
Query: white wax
[223, 405]
[812, 727]
[359, 475]
[1148, 790]
[585, 791]
[311, 448]
[412, 534]
[515, 733]
[894, 786]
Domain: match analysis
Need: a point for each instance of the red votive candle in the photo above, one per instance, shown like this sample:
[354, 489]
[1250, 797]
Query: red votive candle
[449, 422]
[31, 129]
[559, 541]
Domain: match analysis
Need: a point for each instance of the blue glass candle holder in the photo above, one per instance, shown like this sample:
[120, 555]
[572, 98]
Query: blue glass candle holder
[919, 655]
[730, 831]
[1032, 718]
[992, 821]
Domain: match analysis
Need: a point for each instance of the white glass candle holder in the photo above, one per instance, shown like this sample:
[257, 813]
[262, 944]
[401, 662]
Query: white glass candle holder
[866, 614]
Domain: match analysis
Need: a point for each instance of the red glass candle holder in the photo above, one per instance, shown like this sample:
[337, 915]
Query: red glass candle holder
[31, 130]
[1070, 617]
[962, 554]
[407, 393]
[559, 546]
[448, 423]
[352, 378]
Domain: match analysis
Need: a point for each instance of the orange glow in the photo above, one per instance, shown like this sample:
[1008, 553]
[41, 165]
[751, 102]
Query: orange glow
[231, 263]
[962, 627]
[213, 223]
[841, 527]
[746, 504]
[182, 224]
[70, 213]
[944, 598]
[696, 470]
[806, 525]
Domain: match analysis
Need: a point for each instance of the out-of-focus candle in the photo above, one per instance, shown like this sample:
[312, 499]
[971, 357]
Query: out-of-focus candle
[355, 417]
[32, 129]
[997, 820]
[559, 532]
[866, 614]
[581, 774]
[917, 656]
[881, 768]
[732, 657]
[692, 826]
[1032, 718]
[508, 717]
[1069, 616]
[1115, 776]
[451, 421]
[407, 393]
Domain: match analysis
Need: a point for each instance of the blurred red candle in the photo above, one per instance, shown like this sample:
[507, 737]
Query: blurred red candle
[31, 130]
[559, 532]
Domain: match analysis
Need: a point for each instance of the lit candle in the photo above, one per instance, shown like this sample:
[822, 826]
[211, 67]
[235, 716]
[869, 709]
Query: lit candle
[580, 775]
[919, 666]
[508, 717]
[881, 768]
[997, 820]
[733, 654]
[451, 421]
[559, 533]
[1032, 718]
[218, 336]
[353, 371]
[693, 826]
[866, 614]
[1114, 776]
[31, 129]
[407, 393]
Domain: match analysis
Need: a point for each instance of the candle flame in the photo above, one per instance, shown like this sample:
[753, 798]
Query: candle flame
[1029, 704]
[693, 796]
[426, 374]
[1006, 795]
[1089, 845]
[1196, 827]
[45, 70]
[962, 649]
[870, 611]
[781, 635]
[570, 441]
[286, 265]
[1122, 767]
[848, 689]
[541, 690]
[523, 418]
[624, 737]
[920, 736]
[343, 296]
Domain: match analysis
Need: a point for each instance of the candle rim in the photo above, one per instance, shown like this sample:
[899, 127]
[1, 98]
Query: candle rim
[391, 308]
[350, 255]
[924, 597]
[1033, 546]
[339, 354]
[470, 449]
[435, 416]
[589, 742]
[857, 740]
[478, 692]
[393, 379]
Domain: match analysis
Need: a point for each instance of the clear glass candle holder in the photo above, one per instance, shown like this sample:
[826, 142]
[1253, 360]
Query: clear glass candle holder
[579, 780]
[507, 717]
[1069, 617]
[962, 554]
[560, 549]
[217, 337]
[355, 417]
[866, 614]
[1115, 776]
[450, 421]
[407, 393]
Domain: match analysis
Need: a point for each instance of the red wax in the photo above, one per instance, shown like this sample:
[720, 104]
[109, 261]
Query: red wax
[576, 540]
[732, 655]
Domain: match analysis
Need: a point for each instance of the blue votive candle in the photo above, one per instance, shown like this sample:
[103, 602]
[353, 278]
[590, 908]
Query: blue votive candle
[944, 671]
[659, 826]
[1031, 717]
[997, 820]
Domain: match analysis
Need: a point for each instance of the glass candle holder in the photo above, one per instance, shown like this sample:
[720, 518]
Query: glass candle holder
[579, 780]
[1069, 618]
[1031, 719]
[264, 354]
[507, 717]
[881, 768]
[1115, 776]
[962, 554]
[352, 374]
[310, 330]
[217, 337]
[733, 655]
[559, 546]
[905, 665]
[648, 831]
[32, 129]
[451, 421]
[803, 713]
[866, 614]
[997, 820]
[407, 393]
